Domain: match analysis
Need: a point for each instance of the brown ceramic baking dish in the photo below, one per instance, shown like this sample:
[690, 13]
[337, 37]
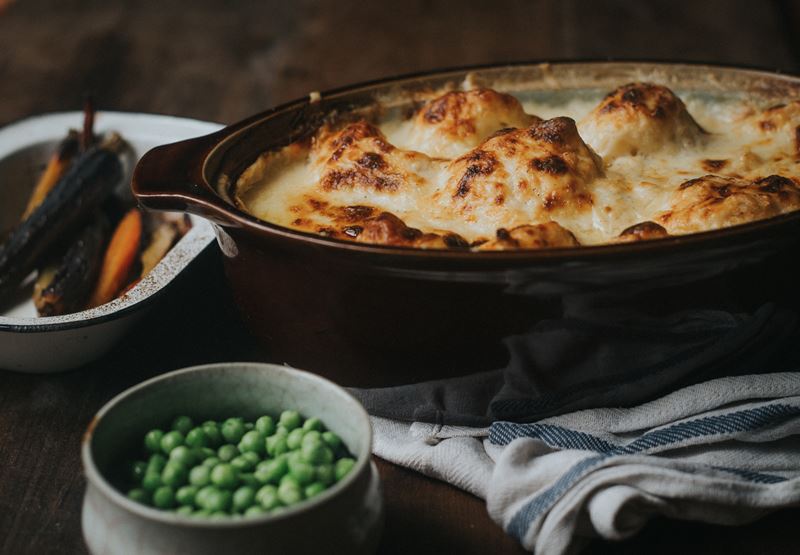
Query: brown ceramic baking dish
[379, 315]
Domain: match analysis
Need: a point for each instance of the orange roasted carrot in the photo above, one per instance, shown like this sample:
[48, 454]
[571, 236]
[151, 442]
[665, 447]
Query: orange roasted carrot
[56, 167]
[120, 256]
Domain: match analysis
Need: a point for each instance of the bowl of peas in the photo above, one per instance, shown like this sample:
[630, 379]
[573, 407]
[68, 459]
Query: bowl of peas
[231, 457]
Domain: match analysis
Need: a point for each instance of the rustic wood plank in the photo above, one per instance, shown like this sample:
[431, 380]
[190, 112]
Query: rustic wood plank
[450, 521]
[214, 62]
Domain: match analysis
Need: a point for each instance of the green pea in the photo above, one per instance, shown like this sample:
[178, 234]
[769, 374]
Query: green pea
[212, 433]
[186, 495]
[156, 463]
[248, 479]
[200, 476]
[312, 436]
[227, 453]
[271, 471]
[218, 500]
[170, 441]
[152, 441]
[265, 425]
[295, 438]
[253, 442]
[255, 510]
[139, 495]
[333, 441]
[243, 498]
[281, 430]
[196, 437]
[313, 424]
[315, 453]
[182, 424]
[202, 513]
[301, 471]
[249, 426]
[201, 498]
[342, 467]
[185, 510]
[138, 470]
[224, 476]
[325, 474]
[164, 497]
[252, 458]
[315, 488]
[174, 474]
[289, 493]
[203, 453]
[242, 463]
[211, 462]
[290, 419]
[276, 445]
[219, 514]
[267, 497]
[289, 479]
[151, 480]
[233, 430]
[183, 455]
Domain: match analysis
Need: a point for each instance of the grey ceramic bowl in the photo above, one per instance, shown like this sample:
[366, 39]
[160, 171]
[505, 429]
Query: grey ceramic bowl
[347, 518]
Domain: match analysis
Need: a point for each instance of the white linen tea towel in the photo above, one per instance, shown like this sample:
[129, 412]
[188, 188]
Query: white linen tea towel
[723, 451]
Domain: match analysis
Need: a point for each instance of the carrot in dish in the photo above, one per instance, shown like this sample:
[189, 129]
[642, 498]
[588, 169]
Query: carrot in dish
[86, 184]
[119, 259]
[56, 167]
[64, 287]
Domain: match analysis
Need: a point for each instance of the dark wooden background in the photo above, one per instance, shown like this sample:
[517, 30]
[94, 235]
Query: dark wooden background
[224, 60]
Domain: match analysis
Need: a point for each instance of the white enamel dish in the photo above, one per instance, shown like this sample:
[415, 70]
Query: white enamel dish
[29, 343]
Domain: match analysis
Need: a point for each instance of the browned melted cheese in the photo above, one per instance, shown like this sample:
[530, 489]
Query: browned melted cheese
[472, 169]
[712, 202]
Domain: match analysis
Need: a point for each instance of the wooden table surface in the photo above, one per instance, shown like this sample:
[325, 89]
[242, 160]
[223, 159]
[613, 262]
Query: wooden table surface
[225, 60]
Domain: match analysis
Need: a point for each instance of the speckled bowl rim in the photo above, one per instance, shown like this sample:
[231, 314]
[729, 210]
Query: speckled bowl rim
[95, 478]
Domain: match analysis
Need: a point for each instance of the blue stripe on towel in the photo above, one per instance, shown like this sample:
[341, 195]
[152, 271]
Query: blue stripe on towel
[503, 433]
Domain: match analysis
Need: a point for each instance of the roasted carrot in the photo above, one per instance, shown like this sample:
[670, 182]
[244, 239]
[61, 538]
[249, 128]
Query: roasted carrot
[61, 159]
[122, 252]
[56, 167]
[90, 179]
[65, 286]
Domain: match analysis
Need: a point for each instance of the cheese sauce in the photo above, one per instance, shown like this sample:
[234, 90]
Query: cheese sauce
[468, 166]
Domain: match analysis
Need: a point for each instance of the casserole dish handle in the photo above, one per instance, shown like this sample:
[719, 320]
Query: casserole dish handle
[170, 177]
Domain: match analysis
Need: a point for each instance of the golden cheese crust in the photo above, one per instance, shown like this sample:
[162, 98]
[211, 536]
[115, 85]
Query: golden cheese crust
[640, 118]
[472, 170]
[457, 121]
[359, 157]
[712, 202]
[642, 232]
[537, 236]
[542, 170]
[388, 229]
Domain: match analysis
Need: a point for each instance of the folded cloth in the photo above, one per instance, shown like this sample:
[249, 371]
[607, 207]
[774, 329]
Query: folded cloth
[724, 451]
[600, 356]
